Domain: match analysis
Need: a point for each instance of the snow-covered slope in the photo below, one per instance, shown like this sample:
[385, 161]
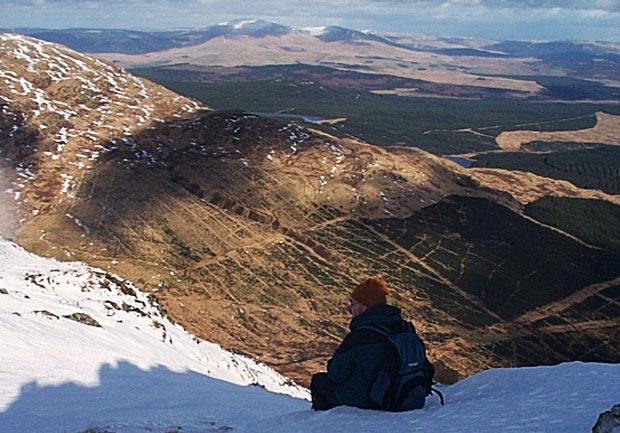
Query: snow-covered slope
[139, 373]
[69, 323]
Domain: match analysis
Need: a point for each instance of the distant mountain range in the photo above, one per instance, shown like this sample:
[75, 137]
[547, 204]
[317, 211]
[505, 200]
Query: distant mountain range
[142, 42]
[139, 42]
[516, 66]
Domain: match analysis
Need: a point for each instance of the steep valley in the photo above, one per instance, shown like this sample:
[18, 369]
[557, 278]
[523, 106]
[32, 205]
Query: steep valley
[251, 232]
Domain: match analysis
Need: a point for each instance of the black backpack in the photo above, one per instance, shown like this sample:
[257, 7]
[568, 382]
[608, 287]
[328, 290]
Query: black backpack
[406, 377]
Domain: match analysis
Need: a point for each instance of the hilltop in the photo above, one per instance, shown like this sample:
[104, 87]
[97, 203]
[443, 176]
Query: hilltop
[59, 108]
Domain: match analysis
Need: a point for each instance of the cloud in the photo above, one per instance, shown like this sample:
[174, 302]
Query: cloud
[607, 5]
[305, 6]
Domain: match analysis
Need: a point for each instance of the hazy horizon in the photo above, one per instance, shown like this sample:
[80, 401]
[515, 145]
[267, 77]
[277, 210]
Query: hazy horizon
[486, 19]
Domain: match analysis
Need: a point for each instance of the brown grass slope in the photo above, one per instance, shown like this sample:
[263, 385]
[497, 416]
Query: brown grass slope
[251, 232]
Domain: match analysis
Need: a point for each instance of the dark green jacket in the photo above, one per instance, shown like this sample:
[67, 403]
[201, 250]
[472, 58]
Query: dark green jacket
[356, 364]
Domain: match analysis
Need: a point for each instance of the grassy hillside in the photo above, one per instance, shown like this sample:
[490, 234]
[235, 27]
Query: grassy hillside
[511, 267]
[226, 225]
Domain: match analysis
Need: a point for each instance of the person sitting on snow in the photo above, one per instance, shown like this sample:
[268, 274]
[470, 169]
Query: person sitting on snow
[355, 365]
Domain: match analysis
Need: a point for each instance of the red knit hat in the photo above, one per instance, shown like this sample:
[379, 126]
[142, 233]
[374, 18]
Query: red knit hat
[370, 292]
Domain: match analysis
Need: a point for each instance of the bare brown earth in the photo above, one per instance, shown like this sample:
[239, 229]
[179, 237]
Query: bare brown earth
[301, 47]
[607, 130]
[251, 232]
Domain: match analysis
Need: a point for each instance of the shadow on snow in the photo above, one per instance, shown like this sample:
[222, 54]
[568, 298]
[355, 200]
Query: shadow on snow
[128, 398]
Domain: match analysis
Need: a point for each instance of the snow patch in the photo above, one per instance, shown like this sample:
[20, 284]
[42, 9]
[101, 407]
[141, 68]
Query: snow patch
[315, 31]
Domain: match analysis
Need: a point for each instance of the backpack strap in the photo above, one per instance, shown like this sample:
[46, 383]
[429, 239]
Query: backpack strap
[439, 394]
[409, 327]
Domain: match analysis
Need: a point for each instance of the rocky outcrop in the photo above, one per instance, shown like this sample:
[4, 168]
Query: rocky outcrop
[608, 422]
[83, 318]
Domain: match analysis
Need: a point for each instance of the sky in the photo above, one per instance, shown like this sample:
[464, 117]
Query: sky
[492, 19]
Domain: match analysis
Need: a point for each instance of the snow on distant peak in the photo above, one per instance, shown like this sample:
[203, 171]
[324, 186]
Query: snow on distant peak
[254, 27]
[316, 31]
[238, 25]
[323, 30]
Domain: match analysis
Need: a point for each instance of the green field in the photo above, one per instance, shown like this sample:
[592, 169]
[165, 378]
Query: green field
[432, 124]
[593, 168]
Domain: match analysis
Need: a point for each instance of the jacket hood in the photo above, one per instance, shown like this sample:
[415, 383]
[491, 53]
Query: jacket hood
[383, 316]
